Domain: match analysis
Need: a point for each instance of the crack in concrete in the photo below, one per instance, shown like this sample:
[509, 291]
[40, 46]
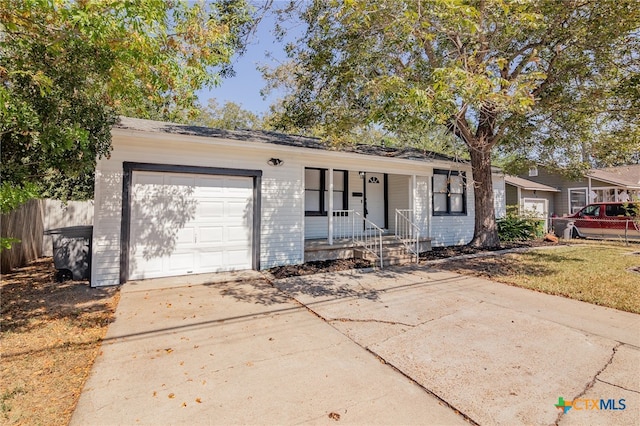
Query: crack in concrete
[371, 321]
[421, 386]
[591, 382]
[384, 361]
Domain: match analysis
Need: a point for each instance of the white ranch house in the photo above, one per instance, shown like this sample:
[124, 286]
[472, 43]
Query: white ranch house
[176, 200]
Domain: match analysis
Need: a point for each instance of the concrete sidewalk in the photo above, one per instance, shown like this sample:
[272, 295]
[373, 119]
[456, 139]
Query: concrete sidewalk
[498, 354]
[240, 353]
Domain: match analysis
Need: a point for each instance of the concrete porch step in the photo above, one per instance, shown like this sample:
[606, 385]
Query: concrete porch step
[390, 256]
[394, 250]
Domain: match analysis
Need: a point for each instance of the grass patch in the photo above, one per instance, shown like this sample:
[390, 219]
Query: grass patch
[597, 273]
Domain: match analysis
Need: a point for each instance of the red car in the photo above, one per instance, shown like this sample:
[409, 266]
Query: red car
[607, 220]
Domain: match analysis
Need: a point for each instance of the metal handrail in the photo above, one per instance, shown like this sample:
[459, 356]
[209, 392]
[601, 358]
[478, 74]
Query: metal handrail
[408, 232]
[368, 236]
[350, 224]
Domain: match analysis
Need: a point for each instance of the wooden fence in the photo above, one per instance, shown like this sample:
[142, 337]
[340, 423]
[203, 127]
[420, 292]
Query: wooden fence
[28, 223]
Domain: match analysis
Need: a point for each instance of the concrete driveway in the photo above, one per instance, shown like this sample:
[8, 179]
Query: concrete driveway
[498, 354]
[239, 353]
[398, 346]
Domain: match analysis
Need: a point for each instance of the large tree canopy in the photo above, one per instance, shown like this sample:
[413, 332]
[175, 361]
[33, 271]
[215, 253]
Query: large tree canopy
[68, 68]
[229, 116]
[535, 76]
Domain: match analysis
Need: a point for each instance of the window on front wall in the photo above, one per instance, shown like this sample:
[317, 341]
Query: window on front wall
[449, 193]
[577, 199]
[316, 191]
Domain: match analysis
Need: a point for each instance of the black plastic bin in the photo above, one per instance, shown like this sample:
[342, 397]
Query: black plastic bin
[72, 252]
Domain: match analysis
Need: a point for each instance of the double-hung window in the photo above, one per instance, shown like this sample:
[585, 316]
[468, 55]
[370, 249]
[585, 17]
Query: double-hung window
[316, 191]
[449, 193]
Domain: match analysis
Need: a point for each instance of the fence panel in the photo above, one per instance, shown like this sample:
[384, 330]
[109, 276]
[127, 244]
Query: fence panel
[56, 214]
[24, 224]
[28, 223]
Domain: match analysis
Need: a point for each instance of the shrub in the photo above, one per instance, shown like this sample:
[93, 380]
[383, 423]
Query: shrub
[519, 228]
[513, 228]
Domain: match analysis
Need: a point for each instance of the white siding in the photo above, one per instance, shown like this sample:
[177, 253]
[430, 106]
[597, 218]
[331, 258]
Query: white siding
[105, 260]
[315, 227]
[282, 216]
[399, 191]
[499, 195]
[281, 202]
[283, 224]
[454, 230]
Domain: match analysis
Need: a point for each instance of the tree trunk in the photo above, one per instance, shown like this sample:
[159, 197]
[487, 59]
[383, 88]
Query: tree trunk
[486, 231]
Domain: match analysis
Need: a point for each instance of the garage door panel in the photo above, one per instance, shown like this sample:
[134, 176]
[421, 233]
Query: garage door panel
[212, 234]
[181, 262]
[237, 257]
[182, 224]
[236, 234]
[210, 209]
[186, 236]
[148, 266]
[211, 260]
[235, 209]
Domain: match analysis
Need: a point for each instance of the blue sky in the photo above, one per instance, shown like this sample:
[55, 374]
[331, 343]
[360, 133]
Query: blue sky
[244, 88]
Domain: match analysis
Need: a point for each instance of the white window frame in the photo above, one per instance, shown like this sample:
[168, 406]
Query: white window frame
[586, 197]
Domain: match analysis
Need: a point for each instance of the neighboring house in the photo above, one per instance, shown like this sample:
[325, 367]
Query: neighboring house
[531, 198]
[175, 200]
[607, 184]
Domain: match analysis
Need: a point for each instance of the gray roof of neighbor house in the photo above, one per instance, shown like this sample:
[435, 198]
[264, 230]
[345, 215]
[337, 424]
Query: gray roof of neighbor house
[627, 176]
[263, 136]
[528, 184]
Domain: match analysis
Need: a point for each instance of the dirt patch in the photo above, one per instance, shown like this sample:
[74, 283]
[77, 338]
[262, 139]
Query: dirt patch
[318, 267]
[453, 251]
[51, 334]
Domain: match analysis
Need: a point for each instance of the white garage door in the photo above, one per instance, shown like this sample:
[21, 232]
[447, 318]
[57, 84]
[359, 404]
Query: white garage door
[189, 224]
[538, 208]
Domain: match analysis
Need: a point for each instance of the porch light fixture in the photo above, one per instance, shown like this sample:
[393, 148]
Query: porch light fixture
[361, 174]
[275, 162]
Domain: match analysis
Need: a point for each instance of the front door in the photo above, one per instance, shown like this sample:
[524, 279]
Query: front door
[375, 200]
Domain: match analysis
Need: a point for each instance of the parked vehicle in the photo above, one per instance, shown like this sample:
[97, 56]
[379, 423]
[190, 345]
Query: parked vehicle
[607, 220]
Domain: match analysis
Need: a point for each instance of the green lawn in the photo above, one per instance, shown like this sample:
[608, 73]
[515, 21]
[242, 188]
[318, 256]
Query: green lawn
[593, 272]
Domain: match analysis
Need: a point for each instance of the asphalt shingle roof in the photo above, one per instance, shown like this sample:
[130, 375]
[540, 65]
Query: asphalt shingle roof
[263, 136]
[528, 184]
[628, 176]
